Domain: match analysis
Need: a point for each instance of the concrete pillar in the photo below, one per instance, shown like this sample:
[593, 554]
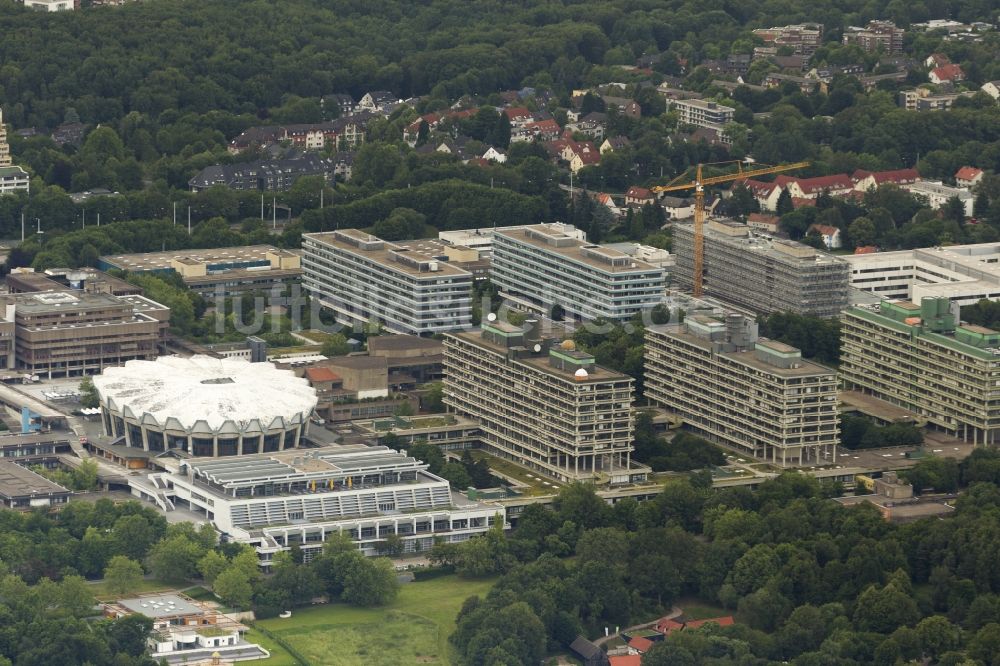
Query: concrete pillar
[215, 446]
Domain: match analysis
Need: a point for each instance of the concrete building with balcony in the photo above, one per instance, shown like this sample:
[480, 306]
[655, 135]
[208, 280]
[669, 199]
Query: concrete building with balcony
[13, 179]
[363, 278]
[754, 395]
[543, 265]
[543, 404]
[222, 271]
[937, 194]
[921, 358]
[72, 333]
[702, 113]
[877, 36]
[275, 501]
[762, 273]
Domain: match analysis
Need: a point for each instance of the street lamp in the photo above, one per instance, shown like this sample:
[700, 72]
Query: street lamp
[38, 222]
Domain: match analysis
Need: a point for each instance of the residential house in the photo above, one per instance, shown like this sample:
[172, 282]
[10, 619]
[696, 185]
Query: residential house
[807, 85]
[270, 175]
[922, 99]
[605, 199]
[968, 176]
[584, 154]
[614, 143]
[992, 88]
[638, 197]
[876, 36]
[946, 74]
[812, 188]
[935, 60]
[803, 39]
[937, 194]
[625, 659]
[867, 180]
[343, 165]
[377, 101]
[518, 116]
[13, 179]
[795, 63]
[494, 155]
[593, 125]
[762, 222]
[678, 208]
[766, 194]
[342, 101]
[830, 235]
[543, 130]
[640, 645]
[69, 133]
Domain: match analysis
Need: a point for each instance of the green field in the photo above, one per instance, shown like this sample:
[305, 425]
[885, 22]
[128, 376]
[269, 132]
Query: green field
[414, 629]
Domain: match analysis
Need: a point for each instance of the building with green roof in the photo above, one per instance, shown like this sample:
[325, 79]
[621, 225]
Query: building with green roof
[922, 358]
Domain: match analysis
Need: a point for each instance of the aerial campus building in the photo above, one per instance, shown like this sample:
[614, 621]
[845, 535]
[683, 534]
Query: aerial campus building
[542, 404]
[406, 288]
[544, 265]
[921, 358]
[961, 273]
[299, 498]
[204, 406]
[762, 273]
[755, 395]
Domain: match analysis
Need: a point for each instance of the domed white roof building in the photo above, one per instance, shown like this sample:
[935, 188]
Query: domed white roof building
[204, 406]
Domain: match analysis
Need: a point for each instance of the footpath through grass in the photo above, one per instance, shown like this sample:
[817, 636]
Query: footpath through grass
[414, 629]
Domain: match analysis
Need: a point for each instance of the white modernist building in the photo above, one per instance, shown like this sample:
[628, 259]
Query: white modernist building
[961, 273]
[277, 501]
[543, 265]
[482, 239]
[937, 194]
[204, 406]
[361, 278]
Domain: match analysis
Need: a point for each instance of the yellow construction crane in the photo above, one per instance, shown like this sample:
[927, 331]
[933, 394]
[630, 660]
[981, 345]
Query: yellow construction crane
[698, 185]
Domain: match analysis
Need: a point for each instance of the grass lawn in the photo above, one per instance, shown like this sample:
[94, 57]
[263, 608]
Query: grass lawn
[414, 629]
[279, 656]
[200, 593]
[536, 484]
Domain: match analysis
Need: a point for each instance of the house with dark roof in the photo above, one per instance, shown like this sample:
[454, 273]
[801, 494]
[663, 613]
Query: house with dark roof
[266, 175]
[589, 653]
[376, 101]
[614, 143]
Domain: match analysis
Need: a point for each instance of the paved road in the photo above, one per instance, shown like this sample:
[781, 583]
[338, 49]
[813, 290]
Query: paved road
[674, 612]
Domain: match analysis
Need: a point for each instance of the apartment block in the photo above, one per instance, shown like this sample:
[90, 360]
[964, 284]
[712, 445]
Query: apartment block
[542, 265]
[921, 358]
[755, 395]
[803, 39]
[762, 273]
[881, 36]
[4, 146]
[361, 278]
[13, 179]
[71, 333]
[702, 113]
[937, 194]
[543, 404]
[368, 493]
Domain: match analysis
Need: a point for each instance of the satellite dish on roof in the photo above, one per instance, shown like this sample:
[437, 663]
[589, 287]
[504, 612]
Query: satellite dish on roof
[491, 316]
[537, 348]
[581, 374]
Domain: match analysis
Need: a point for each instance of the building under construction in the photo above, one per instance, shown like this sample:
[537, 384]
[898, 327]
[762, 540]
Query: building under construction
[762, 273]
[755, 395]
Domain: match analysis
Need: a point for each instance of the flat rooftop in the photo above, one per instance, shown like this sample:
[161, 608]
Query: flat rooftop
[556, 239]
[763, 244]
[303, 465]
[160, 261]
[403, 257]
[161, 605]
[60, 301]
[749, 358]
[17, 481]
[595, 373]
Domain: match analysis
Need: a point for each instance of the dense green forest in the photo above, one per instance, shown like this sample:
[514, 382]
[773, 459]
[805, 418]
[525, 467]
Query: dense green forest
[163, 86]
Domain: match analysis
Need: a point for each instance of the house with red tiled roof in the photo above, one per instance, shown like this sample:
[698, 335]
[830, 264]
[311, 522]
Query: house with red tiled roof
[639, 196]
[625, 660]
[812, 188]
[323, 379]
[585, 153]
[937, 60]
[866, 180]
[830, 235]
[946, 74]
[802, 202]
[668, 626]
[766, 194]
[968, 176]
[518, 116]
[606, 200]
[640, 645]
[557, 148]
[544, 130]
